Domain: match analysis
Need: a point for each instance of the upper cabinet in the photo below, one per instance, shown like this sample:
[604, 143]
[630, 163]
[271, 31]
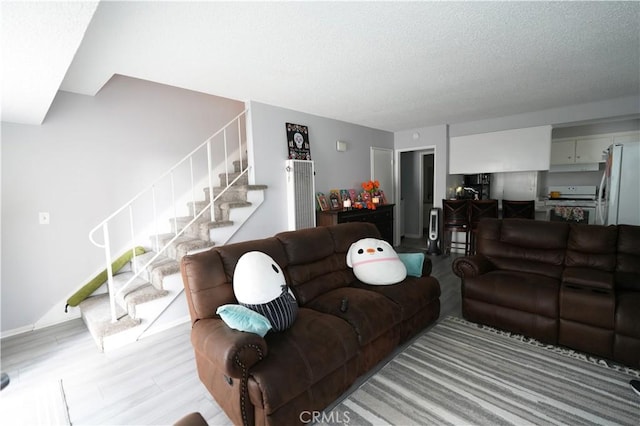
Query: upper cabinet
[516, 150]
[579, 150]
[586, 149]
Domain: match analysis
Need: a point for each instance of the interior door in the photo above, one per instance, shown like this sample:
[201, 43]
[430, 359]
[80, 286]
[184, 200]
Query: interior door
[382, 170]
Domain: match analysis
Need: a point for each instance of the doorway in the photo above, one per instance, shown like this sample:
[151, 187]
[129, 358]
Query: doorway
[417, 189]
[427, 188]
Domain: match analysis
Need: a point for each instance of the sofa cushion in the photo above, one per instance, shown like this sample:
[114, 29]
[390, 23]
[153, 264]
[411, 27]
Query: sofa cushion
[313, 279]
[524, 245]
[628, 314]
[306, 245]
[231, 253]
[369, 313]
[346, 233]
[592, 247]
[628, 258]
[411, 296]
[587, 277]
[313, 266]
[315, 346]
[534, 234]
[521, 291]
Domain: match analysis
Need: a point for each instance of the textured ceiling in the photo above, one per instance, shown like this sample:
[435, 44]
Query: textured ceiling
[391, 66]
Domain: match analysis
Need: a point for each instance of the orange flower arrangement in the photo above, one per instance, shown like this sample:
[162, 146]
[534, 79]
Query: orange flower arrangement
[371, 187]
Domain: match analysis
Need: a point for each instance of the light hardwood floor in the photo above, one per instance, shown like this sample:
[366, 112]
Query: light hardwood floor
[150, 382]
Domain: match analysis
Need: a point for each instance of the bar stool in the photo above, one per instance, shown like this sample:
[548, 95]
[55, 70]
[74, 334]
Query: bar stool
[518, 209]
[455, 219]
[478, 210]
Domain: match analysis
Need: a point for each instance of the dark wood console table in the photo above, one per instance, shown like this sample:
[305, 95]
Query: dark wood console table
[382, 217]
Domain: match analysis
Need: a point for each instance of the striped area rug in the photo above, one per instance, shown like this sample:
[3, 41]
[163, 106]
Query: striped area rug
[460, 373]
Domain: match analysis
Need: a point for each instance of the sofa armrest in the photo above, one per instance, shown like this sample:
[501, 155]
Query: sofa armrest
[471, 266]
[230, 350]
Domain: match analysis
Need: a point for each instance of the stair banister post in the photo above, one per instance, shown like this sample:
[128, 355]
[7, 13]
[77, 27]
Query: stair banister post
[193, 187]
[173, 202]
[226, 158]
[107, 253]
[210, 171]
[133, 238]
[240, 144]
[155, 216]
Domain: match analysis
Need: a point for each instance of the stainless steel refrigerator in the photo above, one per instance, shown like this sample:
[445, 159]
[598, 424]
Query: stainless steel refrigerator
[620, 186]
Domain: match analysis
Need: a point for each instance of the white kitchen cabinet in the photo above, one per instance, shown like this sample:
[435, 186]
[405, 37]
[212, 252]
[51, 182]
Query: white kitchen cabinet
[563, 152]
[591, 150]
[579, 150]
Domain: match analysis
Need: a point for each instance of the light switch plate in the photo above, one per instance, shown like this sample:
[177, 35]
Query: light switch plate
[44, 218]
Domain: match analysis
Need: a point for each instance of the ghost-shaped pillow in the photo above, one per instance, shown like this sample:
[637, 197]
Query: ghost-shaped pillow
[375, 262]
[259, 284]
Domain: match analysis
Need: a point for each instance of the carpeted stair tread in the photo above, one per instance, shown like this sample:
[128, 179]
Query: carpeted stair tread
[183, 245]
[239, 165]
[96, 314]
[189, 245]
[139, 291]
[200, 229]
[217, 224]
[236, 189]
[119, 280]
[234, 204]
[243, 180]
[159, 268]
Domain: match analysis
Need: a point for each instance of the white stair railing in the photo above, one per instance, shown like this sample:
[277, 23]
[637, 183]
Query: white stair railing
[126, 212]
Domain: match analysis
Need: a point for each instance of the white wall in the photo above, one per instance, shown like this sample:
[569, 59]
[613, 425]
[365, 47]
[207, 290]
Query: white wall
[333, 169]
[420, 139]
[90, 156]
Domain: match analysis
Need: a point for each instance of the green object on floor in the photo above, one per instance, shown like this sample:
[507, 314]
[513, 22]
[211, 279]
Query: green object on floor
[99, 279]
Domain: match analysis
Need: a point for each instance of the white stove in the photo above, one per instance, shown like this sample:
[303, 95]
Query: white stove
[573, 203]
[585, 195]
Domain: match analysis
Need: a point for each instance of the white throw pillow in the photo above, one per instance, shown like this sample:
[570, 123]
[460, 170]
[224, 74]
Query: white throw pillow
[259, 284]
[375, 262]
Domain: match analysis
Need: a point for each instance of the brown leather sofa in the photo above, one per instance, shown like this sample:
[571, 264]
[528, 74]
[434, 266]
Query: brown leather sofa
[286, 376]
[572, 285]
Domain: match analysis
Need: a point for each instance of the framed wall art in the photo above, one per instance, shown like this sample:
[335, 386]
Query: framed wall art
[298, 142]
[322, 201]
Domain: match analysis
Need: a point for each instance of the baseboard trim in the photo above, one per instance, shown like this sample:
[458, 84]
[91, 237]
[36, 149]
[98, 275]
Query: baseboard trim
[37, 326]
[17, 331]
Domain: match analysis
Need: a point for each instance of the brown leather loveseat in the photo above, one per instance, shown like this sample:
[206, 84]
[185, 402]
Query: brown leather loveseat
[572, 285]
[286, 377]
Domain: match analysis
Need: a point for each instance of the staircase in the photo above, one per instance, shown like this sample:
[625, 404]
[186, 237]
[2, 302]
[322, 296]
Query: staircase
[147, 296]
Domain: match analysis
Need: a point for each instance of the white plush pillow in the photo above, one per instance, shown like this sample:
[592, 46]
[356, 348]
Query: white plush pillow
[375, 262]
[259, 284]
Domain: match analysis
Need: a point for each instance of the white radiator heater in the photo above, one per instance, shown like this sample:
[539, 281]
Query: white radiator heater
[301, 204]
